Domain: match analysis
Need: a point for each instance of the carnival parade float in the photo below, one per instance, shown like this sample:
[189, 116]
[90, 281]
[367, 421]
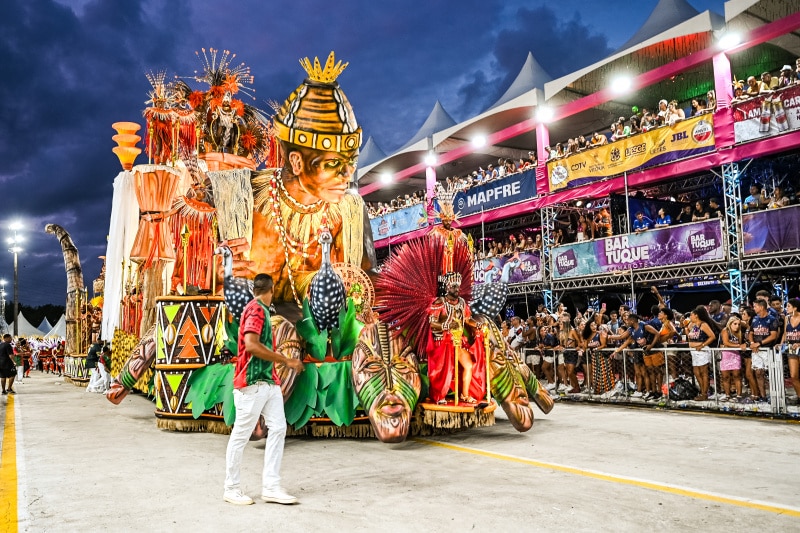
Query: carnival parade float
[228, 193]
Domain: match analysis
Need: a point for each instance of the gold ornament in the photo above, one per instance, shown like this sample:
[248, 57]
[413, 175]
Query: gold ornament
[326, 75]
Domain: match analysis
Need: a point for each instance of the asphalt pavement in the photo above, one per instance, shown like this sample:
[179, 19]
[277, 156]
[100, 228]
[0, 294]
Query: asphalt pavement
[72, 461]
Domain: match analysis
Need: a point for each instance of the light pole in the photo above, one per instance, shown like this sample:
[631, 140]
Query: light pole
[15, 249]
[3, 322]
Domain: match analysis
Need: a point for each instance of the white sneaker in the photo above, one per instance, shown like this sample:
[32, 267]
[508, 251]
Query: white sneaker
[636, 394]
[550, 386]
[278, 496]
[237, 497]
[562, 388]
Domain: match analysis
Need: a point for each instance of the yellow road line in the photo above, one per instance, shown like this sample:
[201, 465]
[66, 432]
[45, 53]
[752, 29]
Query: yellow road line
[661, 487]
[8, 471]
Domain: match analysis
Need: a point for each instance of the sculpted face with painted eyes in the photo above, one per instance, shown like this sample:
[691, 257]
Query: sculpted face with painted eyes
[386, 380]
[318, 175]
[319, 141]
[508, 385]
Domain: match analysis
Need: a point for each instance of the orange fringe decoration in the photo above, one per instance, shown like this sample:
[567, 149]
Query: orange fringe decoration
[198, 217]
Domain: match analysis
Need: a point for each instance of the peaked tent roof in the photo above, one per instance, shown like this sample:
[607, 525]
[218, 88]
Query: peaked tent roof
[60, 329]
[703, 22]
[438, 120]
[665, 15]
[530, 76]
[745, 15]
[24, 328]
[45, 325]
[371, 153]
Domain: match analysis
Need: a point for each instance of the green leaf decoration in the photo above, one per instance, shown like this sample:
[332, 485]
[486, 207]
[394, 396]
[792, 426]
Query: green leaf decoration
[316, 341]
[232, 331]
[339, 392]
[306, 416]
[335, 335]
[304, 397]
[326, 375]
[425, 380]
[350, 328]
[209, 386]
[307, 312]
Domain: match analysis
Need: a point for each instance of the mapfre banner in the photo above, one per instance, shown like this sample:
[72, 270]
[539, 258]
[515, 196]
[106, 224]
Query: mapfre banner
[765, 116]
[669, 143]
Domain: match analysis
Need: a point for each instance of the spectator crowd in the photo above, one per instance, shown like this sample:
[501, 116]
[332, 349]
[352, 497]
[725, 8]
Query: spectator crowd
[505, 167]
[717, 352]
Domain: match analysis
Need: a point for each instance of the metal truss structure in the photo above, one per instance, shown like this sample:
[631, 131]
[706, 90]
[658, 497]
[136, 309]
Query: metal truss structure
[549, 215]
[624, 278]
[733, 231]
[786, 260]
[688, 188]
[504, 225]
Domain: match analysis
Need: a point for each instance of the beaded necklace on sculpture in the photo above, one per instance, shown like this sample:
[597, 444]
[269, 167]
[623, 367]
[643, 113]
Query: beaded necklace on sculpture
[296, 225]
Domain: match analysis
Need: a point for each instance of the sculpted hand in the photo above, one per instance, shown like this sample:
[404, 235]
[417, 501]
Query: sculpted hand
[296, 365]
[242, 268]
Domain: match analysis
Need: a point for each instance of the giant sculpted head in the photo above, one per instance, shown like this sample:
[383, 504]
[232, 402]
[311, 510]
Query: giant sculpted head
[508, 386]
[319, 136]
[386, 380]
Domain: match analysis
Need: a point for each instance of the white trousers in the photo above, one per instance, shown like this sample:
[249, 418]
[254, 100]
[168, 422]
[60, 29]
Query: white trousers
[20, 372]
[99, 380]
[251, 402]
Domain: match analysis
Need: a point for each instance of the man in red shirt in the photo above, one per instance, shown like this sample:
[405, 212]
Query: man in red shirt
[257, 392]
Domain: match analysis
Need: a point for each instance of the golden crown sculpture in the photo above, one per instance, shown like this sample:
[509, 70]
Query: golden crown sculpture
[328, 74]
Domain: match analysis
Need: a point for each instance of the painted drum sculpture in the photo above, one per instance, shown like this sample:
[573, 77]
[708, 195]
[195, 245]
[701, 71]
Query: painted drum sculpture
[187, 329]
[75, 369]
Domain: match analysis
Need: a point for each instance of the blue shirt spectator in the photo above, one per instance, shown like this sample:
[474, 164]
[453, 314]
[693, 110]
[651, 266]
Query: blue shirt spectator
[642, 223]
[663, 219]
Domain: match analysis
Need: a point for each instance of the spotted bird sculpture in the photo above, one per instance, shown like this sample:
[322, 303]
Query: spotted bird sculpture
[489, 298]
[237, 291]
[327, 294]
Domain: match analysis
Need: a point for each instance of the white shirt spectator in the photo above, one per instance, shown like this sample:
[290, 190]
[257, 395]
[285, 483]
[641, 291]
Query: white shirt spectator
[515, 338]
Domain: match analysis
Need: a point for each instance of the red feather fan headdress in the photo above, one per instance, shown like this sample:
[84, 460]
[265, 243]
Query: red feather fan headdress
[408, 285]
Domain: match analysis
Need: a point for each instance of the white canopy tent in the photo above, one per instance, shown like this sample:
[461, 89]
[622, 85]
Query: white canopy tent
[59, 330]
[45, 325]
[25, 328]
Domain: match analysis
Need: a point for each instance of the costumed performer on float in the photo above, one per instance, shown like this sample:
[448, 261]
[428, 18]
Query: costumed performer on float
[449, 354]
[319, 138]
[447, 215]
[450, 315]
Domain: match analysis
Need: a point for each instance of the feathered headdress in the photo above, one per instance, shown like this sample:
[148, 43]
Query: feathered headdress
[161, 95]
[445, 198]
[408, 285]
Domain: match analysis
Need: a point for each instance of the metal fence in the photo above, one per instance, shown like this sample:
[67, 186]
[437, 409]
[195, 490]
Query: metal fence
[609, 377]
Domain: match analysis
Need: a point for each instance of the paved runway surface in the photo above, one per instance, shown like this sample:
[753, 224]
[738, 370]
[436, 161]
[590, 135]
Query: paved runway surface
[72, 461]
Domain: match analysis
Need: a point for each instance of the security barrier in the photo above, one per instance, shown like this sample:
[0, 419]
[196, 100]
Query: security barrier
[754, 391]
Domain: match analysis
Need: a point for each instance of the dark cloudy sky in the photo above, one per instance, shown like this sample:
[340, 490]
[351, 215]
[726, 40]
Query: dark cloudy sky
[70, 68]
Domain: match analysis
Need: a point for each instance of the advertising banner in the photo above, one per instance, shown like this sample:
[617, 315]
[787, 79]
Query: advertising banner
[398, 222]
[498, 193]
[767, 115]
[773, 230]
[669, 143]
[522, 267]
[687, 243]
